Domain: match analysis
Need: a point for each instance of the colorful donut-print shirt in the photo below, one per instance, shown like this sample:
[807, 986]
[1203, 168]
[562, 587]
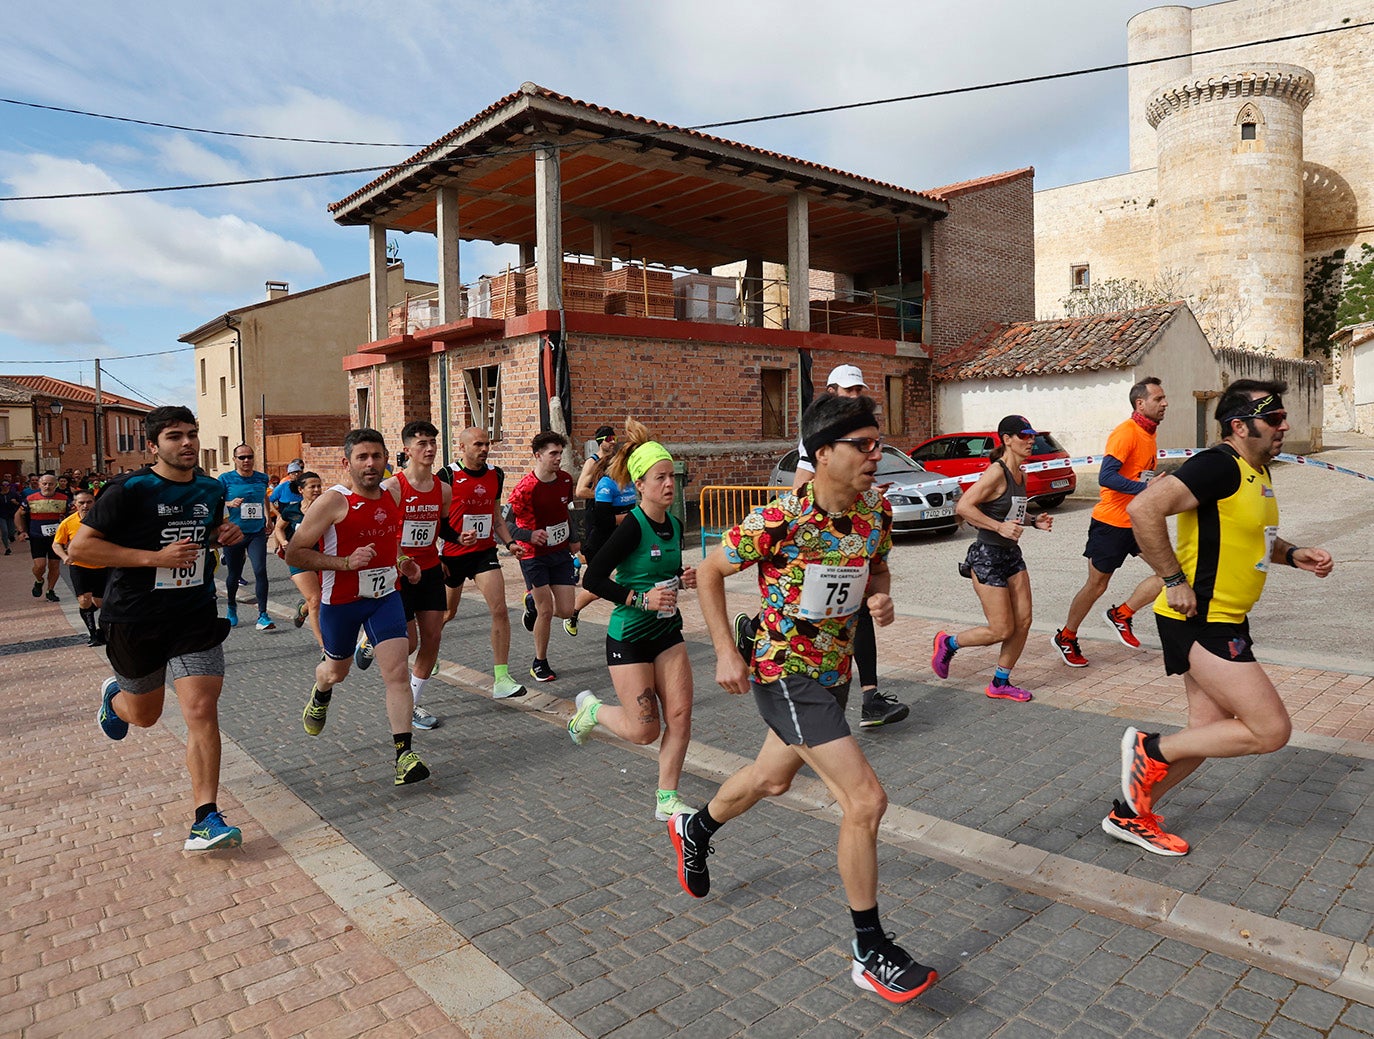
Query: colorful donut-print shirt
[813, 573]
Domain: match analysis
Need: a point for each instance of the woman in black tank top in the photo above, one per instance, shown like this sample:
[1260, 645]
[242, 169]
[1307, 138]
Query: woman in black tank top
[996, 507]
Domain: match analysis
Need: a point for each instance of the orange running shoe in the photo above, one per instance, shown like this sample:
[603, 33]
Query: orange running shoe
[1146, 831]
[1068, 649]
[1122, 626]
[1139, 771]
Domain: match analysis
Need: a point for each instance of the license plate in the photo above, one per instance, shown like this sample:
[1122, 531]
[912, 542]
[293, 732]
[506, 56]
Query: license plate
[937, 513]
[1059, 483]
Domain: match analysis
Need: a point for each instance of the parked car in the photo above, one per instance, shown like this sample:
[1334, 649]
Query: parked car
[965, 455]
[914, 507]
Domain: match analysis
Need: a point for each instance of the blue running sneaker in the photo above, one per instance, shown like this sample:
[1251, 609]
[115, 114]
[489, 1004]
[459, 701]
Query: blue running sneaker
[265, 623]
[111, 724]
[232, 614]
[214, 832]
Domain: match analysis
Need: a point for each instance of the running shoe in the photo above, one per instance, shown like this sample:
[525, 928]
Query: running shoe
[502, 688]
[882, 709]
[583, 721]
[541, 672]
[1008, 692]
[362, 654]
[692, 873]
[111, 724]
[302, 613]
[37, 589]
[1122, 626]
[665, 807]
[52, 596]
[422, 719]
[1068, 649]
[1146, 831]
[435, 670]
[243, 582]
[891, 972]
[213, 832]
[265, 623]
[314, 715]
[744, 637]
[410, 769]
[1139, 771]
[570, 626]
[942, 655]
[232, 615]
[530, 613]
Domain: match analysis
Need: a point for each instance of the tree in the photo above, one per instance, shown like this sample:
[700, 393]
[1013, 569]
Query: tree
[1218, 310]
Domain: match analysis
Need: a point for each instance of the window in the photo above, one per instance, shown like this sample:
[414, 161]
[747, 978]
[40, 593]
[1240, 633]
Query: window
[203, 383]
[1248, 119]
[233, 368]
[483, 386]
[223, 395]
[48, 424]
[223, 447]
[1078, 277]
[85, 431]
[364, 411]
[1247, 131]
[66, 431]
[773, 387]
[4, 429]
[894, 412]
[207, 459]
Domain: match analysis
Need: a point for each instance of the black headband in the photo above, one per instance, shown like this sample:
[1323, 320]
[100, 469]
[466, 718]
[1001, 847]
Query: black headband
[824, 437]
[1255, 408]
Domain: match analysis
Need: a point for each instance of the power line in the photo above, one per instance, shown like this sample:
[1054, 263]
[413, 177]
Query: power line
[103, 358]
[136, 393]
[646, 134]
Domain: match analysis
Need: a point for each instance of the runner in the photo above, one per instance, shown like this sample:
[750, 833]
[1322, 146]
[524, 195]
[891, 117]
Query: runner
[359, 531]
[996, 507]
[1127, 469]
[819, 556]
[611, 503]
[153, 527]
[471, 530]
[43, 509]
[304, 491]
[539, 503]
[1227, 540]
[11, 497]
[847, 380]
[88, 582]
[645, 651]
[602, 445]
[245, 492]
[424, 501]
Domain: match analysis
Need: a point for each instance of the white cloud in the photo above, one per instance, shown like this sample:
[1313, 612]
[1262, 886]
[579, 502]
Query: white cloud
[35, 300]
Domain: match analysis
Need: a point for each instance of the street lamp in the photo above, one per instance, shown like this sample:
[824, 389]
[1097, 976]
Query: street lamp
[55, 407]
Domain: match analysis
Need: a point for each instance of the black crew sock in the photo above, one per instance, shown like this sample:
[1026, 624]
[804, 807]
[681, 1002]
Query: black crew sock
[205, 810]
[868, 929]
[323, 696]
[1152, 748]
[573, 618]
[401, 741]
[701, 826]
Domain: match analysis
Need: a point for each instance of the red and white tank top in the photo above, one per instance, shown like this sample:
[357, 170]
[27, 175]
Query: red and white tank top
[473, 507]
[370, 521]
[421, 512]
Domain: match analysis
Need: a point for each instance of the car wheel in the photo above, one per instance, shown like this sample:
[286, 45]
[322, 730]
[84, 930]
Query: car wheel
[1052, 502]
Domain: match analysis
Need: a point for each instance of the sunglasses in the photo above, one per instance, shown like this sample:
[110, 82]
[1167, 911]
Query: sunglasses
[866, 445]
[1273, 419]
[243, 458]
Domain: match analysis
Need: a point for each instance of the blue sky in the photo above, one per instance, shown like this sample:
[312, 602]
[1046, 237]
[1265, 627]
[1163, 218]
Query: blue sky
[128, 275]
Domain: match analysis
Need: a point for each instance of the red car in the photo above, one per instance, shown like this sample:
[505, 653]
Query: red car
[965, 455]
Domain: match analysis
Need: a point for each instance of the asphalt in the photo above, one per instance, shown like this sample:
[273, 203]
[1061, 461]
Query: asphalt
[527, 889]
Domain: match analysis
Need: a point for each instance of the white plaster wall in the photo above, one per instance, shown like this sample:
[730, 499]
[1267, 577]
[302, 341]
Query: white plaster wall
[1362, 361]
[1185, 364]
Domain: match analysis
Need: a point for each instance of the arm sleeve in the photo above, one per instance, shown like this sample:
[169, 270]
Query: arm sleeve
[1109, 475]
[597, 579]
[1210, 476]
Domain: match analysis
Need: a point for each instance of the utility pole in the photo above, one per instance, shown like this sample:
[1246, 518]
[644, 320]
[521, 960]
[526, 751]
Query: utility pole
[99, 423]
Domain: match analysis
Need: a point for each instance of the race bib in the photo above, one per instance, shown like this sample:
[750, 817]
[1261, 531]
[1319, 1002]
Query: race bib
[479, 524]
[672, 582]
[377, 582]
[1146, 475]
[418, 533]
[252, 510]
[1017, 512]
[48, 529]
[188, 576]
[1270, 536]
[831, 591]
[558, 533]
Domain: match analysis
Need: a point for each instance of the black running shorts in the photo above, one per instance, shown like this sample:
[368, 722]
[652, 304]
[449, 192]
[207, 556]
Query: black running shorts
[467, 566]
[140, 652]
[41, 548]
[1108, 546]
[426, 595]
[1221, 639]
[993, 565]
[88, 580]
[644, 652]
[802, 711]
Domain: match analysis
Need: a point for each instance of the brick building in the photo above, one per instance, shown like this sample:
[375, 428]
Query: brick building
[892, 276]
[68, 427]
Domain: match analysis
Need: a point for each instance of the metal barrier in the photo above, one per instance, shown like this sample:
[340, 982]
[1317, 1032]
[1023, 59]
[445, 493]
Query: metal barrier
[724, 507]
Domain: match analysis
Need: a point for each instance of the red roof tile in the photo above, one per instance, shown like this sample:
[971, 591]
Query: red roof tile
[1116, 340]
[963, 187]
[47, 386]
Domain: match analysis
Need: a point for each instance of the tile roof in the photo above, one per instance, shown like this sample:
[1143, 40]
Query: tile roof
[963, 187]
[653, 127]
[1116, 340]
[47, 386]
[10, 393]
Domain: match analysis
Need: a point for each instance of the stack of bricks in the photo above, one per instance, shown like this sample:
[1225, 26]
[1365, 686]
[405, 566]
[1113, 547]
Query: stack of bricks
[584, 288]
[639, 292]
[854, 319]
[508, 294]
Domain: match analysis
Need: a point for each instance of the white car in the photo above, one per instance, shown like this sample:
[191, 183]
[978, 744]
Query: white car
[916, 506]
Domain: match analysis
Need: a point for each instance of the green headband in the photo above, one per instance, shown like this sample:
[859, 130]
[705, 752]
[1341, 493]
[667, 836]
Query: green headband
[645, 457]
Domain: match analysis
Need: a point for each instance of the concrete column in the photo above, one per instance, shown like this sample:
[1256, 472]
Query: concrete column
[450, 280]
[798, 263]
[602, 243]
[927, 251]
[548, 227]
[753, 291]
[376, 238]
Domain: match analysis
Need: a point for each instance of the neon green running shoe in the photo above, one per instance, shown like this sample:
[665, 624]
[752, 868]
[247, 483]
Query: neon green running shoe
[583, 721]
[670, 804]
[314, 715]
[410, 769]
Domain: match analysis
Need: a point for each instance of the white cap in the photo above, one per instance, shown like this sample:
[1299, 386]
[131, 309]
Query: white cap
[846, 376]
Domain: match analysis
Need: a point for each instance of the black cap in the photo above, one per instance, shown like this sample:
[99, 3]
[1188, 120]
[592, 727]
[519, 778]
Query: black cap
[1013, 424]
[603, 433]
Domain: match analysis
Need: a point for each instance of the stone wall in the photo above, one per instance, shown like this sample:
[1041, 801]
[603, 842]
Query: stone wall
[1304, 400]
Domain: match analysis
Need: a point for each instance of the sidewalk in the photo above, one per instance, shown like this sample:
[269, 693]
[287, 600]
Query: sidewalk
[527, 890]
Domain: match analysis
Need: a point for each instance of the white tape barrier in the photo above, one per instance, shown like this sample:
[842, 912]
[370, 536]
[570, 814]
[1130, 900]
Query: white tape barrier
[1188, 452]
